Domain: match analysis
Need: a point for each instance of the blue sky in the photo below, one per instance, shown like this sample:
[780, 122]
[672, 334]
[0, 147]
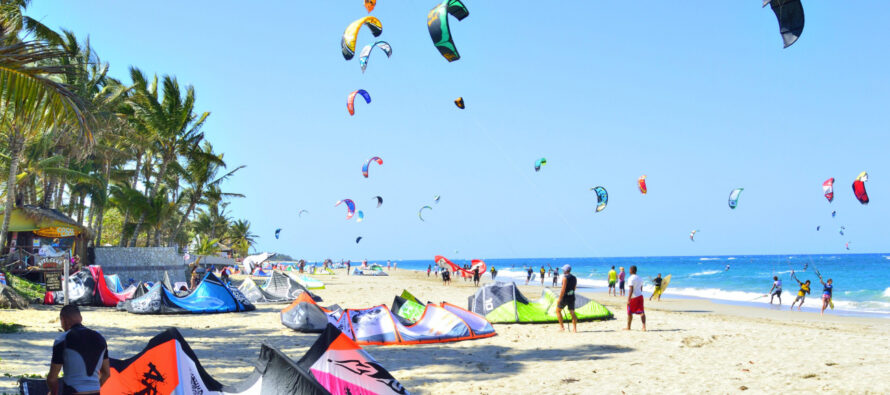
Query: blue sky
[700, 97]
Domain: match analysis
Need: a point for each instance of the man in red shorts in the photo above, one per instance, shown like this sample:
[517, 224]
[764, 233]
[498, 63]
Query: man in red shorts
[635, 298]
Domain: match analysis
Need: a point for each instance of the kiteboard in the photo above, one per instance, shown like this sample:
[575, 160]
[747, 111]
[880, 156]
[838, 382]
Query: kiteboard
[664, 284]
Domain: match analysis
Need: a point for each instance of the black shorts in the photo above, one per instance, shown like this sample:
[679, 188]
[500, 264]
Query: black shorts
[567, 301]
[621, 285]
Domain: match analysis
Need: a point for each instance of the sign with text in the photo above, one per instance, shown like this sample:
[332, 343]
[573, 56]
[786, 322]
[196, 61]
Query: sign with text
[53, 280]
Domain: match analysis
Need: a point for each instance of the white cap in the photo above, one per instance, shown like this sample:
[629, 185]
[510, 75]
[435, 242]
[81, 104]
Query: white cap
[567, 268]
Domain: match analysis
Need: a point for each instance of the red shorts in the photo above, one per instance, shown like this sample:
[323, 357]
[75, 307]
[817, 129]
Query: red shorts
[635, 306]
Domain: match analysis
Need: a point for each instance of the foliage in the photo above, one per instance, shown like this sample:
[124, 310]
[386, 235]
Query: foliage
[26, 288]
[10, 327]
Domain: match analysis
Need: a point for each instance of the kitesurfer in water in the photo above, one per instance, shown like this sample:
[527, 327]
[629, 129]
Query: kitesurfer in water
[776, 290]
[567, 298]
[727, 268]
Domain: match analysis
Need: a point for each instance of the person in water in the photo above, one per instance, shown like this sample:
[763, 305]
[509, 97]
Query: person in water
[613, 278]
[827, 288]
[635, 298]
[802, 293]
[621, 280]
[567, 298]
[776, 290]
[657, 281]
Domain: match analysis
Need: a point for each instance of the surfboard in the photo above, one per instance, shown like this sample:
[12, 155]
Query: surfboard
[664, 284]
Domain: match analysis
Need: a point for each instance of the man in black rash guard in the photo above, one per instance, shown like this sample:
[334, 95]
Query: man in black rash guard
[567, 298]
[83, 355]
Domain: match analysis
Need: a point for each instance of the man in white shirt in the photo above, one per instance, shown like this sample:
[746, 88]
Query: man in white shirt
[635, 298]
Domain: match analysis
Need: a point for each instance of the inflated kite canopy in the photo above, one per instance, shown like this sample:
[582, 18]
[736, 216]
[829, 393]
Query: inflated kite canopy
[350, 100]
[300, 213]
[859, 188]
[366, 52]
[347, 42]
[828, 189]
[379, 201]
[358, 239]
[539, 163]
[350, 207]
[420, 212]
[369, 5]
[642, 184]
[734, 197]
[437, 23]
[277, 233]
[790, 16]
[459, 102]
[368, 163]
[360, 216]
[602, 198]
[692, 235]
[501, 302]
[436, 199]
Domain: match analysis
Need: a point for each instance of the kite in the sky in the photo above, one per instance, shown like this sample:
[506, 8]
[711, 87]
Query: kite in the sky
[350, 100]
[436, 199]
[347, 42]
[818, 227]
[369, 5]
[692, 235]
[277, 232]
[366, 52]
[828, 189]
[847, 246]
[734, 197]
[539, 163]
[360, 216]
[642, 184]
[437, 23]
[379, 201]
[459, 102]
[602, 198]
[358, 239]
[300, 213]
[790, 16]
[833, 214]
[842, 229]
[368, 163]
[350, 207]
[859, 188]
[420, 212]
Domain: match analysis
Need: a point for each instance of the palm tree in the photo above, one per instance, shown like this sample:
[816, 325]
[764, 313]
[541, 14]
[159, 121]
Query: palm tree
[33, 103]
[172, 123]
[240, 236]
[205, 246]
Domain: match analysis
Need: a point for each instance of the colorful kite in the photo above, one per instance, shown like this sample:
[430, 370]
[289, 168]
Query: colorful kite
[420, 212]
[642, 183]
[350, 100]
[350, 207]
[369, 5]
[379, 201]
[360, 216]
[437, 23]
[368, 163]
[459, 102]
[859, 188]
[790, 16]
[277, 232]
[692, 235]
[539, 163]
[734, 197]
[366, 52]
[347, 42]
[602, 198]
[828, 189]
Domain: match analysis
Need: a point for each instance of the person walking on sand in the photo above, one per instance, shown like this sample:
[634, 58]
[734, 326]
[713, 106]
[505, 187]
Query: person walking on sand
[827, 289]
[429, 268]
[613, 278]
[494, 273]
[348, 267]
[543, 273]
[476, 276]
[802, 293]
[567, 298]
[555, 274]
[81, 354]
[657, 281]
[528, 276]
[776, 290]
[635, 298]
[621, 280]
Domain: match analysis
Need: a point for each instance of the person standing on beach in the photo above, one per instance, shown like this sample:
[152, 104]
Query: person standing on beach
[657, 281]
[81, 354]
[429, 268]
[543, 273]
[446, 277]
[348, 267]
[802, 293]
[494, 273]
[555, 275]
[635, 298]
[476, 276]
[776, 290]
[567, 298]
[528, 277]
[827, 288]
[613, 278]
[621, 280]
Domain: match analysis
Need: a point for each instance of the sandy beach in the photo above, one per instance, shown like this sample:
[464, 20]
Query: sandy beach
[691, 346]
